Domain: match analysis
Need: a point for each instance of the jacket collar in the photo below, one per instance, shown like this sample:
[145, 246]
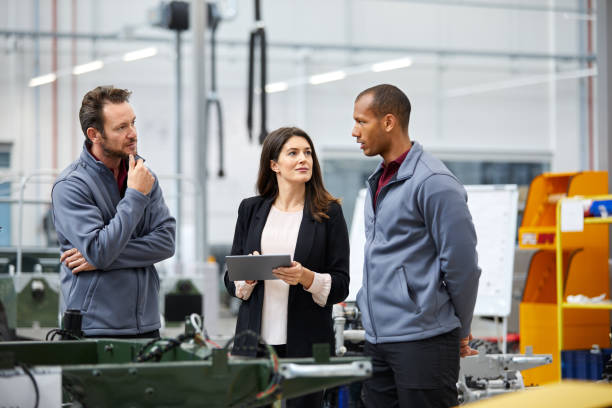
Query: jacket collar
[408, 166]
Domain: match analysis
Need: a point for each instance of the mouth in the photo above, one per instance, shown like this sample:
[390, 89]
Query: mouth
[303, 169]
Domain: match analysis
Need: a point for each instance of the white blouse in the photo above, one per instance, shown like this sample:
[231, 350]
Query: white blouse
[279, 236]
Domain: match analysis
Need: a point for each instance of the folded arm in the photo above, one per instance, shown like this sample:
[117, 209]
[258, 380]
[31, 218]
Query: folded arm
[78, 219]
[154, 246]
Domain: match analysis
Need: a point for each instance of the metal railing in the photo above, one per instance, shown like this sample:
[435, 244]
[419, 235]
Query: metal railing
[52, 174]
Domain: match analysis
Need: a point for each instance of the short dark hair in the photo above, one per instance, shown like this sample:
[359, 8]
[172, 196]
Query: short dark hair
[317, 197]
[389, 99]
[90, 113]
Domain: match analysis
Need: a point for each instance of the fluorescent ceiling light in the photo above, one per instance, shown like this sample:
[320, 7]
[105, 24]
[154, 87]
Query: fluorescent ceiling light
[327, 77]
[277, 87]
[392, 64]
[90, 66]
[41, 80]
[139, 54]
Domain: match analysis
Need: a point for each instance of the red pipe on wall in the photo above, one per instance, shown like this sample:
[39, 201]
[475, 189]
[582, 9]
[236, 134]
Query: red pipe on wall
[590, 119]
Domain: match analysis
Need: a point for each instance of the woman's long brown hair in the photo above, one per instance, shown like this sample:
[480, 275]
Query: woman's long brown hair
[317, 196]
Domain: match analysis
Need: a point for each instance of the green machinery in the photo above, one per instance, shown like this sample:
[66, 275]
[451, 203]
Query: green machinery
[186, 373]
[28, 298]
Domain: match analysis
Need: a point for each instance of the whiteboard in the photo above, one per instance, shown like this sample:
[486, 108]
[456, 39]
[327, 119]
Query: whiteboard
[494, 211]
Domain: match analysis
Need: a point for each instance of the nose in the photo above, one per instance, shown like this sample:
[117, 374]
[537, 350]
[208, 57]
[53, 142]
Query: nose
[355, 132]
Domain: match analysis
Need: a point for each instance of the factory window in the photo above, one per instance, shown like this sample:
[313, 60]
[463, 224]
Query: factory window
[344, 177]
[473, 172]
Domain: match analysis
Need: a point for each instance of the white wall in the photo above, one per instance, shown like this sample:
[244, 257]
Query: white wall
[515, 119]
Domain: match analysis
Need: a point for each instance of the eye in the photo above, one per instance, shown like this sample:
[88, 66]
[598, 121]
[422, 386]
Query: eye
[308, 153]
[291, 153]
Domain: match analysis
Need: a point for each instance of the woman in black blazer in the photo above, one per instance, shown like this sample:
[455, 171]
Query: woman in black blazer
[290, 182]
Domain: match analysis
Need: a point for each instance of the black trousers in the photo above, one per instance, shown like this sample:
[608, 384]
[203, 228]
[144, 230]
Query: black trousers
[421, 373]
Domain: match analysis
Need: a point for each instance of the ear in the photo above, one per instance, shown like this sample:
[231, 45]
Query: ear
[93, 135]
[389, 122]
[274, 166]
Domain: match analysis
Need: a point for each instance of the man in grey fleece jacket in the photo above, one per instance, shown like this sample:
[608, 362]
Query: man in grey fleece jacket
[420, 273]
[112, 224]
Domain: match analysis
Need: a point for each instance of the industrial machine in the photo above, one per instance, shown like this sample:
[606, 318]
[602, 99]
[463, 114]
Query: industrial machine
[485, 375]
[187, 371]
[480, 376]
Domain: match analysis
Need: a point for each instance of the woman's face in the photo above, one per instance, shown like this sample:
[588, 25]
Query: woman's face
[294, 164]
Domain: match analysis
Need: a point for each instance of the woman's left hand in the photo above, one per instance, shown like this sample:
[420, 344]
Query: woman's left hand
[294, 274]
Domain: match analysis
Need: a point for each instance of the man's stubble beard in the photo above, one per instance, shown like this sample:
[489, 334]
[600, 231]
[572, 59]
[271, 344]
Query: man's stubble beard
[114, 154]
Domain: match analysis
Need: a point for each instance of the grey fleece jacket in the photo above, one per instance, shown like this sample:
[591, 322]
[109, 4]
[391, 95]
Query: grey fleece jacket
[420, 273]
[122, 236]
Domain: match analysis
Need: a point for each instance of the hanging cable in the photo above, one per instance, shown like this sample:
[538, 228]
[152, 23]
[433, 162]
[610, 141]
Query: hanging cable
[212, 99]
[273, 387]
[29, 373]
[258, 36]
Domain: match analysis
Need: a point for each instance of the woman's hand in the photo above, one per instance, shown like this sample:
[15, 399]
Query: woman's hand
[75, 261]
[251, 282]
[295, 274]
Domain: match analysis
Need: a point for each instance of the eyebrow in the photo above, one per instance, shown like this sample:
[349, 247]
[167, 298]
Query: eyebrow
[124, 122]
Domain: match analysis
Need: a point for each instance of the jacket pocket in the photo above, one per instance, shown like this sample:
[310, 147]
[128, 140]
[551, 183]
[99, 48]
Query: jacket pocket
[409, 294]
[91, 289]
[156, 280]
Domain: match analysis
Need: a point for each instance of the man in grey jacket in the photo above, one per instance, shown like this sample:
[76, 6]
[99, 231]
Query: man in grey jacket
[112, 224]
[420, 274]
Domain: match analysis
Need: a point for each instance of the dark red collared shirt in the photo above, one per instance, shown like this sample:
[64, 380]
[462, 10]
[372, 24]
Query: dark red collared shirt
[389, 170]
[121, 177]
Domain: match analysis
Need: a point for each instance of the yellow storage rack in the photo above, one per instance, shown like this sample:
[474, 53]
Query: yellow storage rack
[591, 285]
[578, 261]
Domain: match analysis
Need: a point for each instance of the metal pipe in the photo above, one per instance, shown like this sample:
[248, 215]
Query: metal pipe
[582, 92]
[73, 82]
[318, 47]
[590, 108]
[354, 336]
[177, 147]
[495, 5]
[37, 115]
[21, 201]
[24, 201]
[54, 93]
[198, 16]
[292, 370]
[552, 93]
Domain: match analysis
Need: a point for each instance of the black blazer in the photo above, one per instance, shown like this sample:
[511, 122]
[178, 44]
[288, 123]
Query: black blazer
[322, 247]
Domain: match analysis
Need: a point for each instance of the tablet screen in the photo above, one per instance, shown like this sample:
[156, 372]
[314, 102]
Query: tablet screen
[254, 267]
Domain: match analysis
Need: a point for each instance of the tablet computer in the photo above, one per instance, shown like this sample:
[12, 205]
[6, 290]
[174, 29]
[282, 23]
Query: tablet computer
[254, 267]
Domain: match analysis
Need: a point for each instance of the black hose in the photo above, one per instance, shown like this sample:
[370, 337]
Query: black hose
[29, 374]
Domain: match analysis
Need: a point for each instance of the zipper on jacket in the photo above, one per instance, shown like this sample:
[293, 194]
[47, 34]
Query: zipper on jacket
[368, 269]
[375, 213]
[137, 301]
